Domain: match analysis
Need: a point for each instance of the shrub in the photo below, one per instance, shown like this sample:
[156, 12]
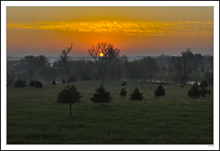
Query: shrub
[35, 83]
[69, 95]
[10, 80]
[136, 95]
[32, 83]
[124, 83]
[203, 84]
[72, 79]
[194, 92]
[203, 92]
[123, 92]
[160, 91]
[20, 83]
[182, 86]
[209, 92]
[196, 85]
[63, 81]
[53, 82]
[101, 96]
[38, 84]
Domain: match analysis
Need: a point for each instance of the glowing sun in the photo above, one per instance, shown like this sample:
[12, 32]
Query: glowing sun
[101, 54]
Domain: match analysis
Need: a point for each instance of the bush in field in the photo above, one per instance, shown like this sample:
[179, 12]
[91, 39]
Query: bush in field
[101, 96]
[63, 81]
[182, 86]
[203, 92]
[160, 91]
[53, 82]
[196, 85]
[35, 83]
[38, 84]
[197, 91]
[194, 92]
[209, 92]
[32, 83]
[124, 83]
[69, 95]
[20, 83]
[72, 79]
[136, 95]
[203, 84]
[123, 92]
[10, 80]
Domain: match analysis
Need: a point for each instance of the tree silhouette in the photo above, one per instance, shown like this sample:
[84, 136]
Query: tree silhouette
[194, 92]
[160, 91]
[53, 82]
[101, 61]
[136, 95]
[101, 96]
[124, 83]
[203, 84]
[185, 64]
[123, 92]
[38, 84]
[150, 67]
[20, 83]
[10, 80]
[32, 83]
[69, 95]
[64, 58]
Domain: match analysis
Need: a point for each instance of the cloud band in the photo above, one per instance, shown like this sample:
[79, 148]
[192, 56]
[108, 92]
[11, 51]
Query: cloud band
[150, 28]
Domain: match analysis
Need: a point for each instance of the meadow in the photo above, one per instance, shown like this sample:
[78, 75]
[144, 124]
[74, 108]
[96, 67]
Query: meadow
[35, 117]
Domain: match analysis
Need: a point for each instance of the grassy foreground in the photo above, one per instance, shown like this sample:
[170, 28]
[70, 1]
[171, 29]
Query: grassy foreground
[35, 117]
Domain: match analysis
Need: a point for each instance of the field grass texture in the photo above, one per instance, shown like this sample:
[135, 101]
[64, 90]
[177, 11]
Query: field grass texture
[35, 117]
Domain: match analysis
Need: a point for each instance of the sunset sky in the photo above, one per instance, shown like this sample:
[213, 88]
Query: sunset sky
[134, 30]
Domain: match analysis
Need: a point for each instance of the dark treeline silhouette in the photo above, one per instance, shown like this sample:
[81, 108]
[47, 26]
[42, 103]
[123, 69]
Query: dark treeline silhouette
[164, 68]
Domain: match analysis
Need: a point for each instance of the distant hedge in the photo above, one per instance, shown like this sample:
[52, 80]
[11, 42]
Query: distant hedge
[20, 83]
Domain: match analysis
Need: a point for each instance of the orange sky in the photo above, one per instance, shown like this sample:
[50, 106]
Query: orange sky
[134, 30]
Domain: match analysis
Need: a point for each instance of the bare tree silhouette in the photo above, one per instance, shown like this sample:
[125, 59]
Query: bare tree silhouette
[64, 58]
[103, 54]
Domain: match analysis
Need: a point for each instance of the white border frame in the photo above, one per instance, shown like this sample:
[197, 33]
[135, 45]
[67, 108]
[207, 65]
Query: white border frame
[215, 4]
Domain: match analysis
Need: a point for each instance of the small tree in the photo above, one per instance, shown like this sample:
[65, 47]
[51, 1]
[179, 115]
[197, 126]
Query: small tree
[123, 92]
[32, 83]
[124, 83]
[10, 80]
[101, 96]
[203, 92]
[136, 95]
[69, 95]
[160, 91]
[196, 84]
[53, 82]
[20, 83]
[194, 92]
[38, 84]
[209, 92]
[203, 84]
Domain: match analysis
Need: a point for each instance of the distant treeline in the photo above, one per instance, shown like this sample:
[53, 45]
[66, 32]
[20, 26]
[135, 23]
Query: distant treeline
[164, 68]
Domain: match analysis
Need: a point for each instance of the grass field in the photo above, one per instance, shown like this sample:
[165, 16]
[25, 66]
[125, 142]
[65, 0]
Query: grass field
[35, 117]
